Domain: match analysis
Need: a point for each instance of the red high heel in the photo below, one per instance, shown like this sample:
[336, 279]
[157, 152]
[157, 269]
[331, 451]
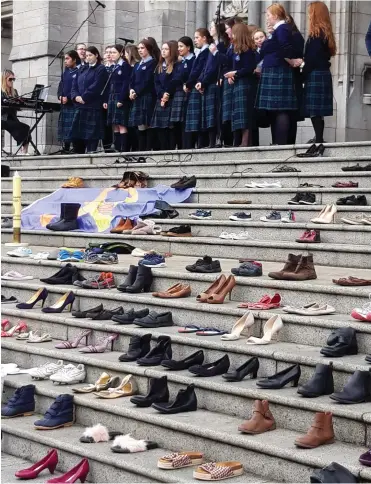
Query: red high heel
[18, 328]
[80, 471]
[5, 324]
[48, 462]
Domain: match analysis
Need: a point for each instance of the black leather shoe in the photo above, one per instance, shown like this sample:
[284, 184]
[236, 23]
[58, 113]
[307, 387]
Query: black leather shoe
[129, 316]
[279, 380]
[341, 342]
[250, 367]
[309, 153]
[205, 266]
[185, 401]
[106, 314]
[67, 275]
[157, 392]
[139, 346]
[83, 314]
[162, 351]
[356, 390]
[211, 369]
[155, 320]
[185, 182]
[321, 383]
[130, 279]
[194, 359]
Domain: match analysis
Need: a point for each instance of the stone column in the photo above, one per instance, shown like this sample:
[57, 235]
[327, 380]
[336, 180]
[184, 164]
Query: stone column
[120, 20]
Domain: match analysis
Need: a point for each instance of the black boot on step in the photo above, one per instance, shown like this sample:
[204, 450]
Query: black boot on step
[162, 351]
[321, 383]
[356, 390]
[157, 392]
[130, 279]
[143, 281]
[68, 219]
[139, 346]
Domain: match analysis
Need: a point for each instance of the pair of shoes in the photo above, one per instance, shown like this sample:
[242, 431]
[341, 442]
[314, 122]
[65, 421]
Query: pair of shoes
[15, 276]
[67, 219]
[69, 255]
[69, 374]
[74, 182]
[265, 302]
[218, 290]
[296, 268]
[341, 342]
[98, 313]
[311, 309]
[139, 279]
[363, 313]
[233, 236]
[357, 220]
[240, 217]
[104, 382]
[126, 387]
[348, 184]
[250, 367]
[127, 317]
[215, 368]
[205, 266]
[41, 295]
[20, 252]
[19, 328]
[185, 182]
[200, 214]
[103, 258]
[34, 337]
[264, 184]
[100, 345]
[69, 274]
[313, 151]
[320, 433]
[67, 345]
[302, 198]
[153, 260]
[282, 378]
[181, 231]
[261, 420]
[353, 200]
[21, 404]
[357, 167]
[123, 226]
[8, 300]
[310, 237]
[185, 400]
[276, 216]
[161, 352]
[248, 269]
[352, 281]
[102, 281]
[176, 291]
[326, 216]
[146, 227]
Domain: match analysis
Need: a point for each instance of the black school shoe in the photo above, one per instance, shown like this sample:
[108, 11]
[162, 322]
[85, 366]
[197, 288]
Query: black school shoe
[128, 316]
[106, 314]
[155, 320]
[205, 265]
[158, 392]
[357, 167]
[139, 346]
[341, 342]
[185, 401]
[356, 390]
[211, 369]
[359, 200]
[185, 182]
[181, 231]
[196, 358]
[84, 314]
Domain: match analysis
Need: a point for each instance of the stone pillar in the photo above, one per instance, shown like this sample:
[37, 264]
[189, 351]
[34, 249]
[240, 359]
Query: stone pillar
[120, 20]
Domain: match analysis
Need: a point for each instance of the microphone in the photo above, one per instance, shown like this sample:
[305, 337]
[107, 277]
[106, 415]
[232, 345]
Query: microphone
[128, 41]
[100, 4]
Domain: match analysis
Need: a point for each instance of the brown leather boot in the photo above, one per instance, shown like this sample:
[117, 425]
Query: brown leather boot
[320, 433]
[261, 421]
[304, 271]
[119, 227]
[290, 266]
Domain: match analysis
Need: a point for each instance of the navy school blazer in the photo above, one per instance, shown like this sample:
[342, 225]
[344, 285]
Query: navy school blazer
[120, 81]
[278, 47]
[197, 68]
[244, 63]
[89, 84]
[65, 84]
[142, 78]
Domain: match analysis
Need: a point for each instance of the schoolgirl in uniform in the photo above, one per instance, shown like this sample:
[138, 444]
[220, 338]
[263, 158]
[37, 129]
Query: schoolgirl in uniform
[165, 93]
[118, 106]
[142, 94]
[244, 81]
[132, 55]
[67, 112]
[86, 93]
[217, 31]
[276, 92]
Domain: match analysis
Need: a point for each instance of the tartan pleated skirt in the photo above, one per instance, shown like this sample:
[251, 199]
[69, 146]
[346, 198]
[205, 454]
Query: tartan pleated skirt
[276, 91]
[244, 95]
[65, 120]
[87, 124]
[178, 107]
[142, 110]
[194, 111]
[318, 95]
[115, 115]
[227, 101]
[161, 115]
[209, 107]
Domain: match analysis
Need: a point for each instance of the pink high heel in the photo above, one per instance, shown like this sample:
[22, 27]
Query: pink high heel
[101, 345]
[5, 323]
[67, 345]
[18, 328]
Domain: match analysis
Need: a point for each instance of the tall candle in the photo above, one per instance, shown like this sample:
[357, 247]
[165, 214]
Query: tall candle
[17, 193]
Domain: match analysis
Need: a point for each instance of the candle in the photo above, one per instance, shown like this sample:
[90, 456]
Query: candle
[17, 192]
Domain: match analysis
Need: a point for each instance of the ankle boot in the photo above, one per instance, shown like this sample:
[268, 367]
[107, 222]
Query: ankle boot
[21, 404]
[68, 220]
[356, 390]
[143, 281]
[321, 383]
[157, 392]
[67, 275]
[290, 266]
[185, 401]
[139, 346]
[304, 271]
[261, 421]
[161, 352]
[321, 432]
[60, 414]
[341, 342]
[130, 279]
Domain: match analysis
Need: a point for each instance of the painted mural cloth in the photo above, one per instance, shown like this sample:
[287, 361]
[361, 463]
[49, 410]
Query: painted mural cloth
[101, 208]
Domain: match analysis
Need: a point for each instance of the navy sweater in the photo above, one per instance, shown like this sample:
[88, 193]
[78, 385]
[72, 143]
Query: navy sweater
[316, 55]
[65, 84]
[227, 60]
[89, 84]
[163, 82]
[182, 70]
[120, 80]
[278, 47]
[209, 74]
[298, 45]
[142, 78]
[368, 40]
[197, 68]
[244, 64]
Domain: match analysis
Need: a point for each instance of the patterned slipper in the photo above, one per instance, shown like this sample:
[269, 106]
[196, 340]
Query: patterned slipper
[177, 460]
[210, 332]
[217, 471]
[190, 328]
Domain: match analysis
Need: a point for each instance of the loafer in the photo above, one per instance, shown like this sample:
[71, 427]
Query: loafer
[155, 320]
[128, 316]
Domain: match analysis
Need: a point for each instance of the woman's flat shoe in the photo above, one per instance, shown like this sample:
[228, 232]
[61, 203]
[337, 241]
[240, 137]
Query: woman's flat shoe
[177, 460]
[271, 330]
[241, 327]
[216, 471]
[104, 382]
[127, 388]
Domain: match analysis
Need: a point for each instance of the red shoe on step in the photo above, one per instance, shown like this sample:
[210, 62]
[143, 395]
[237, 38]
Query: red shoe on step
[80, 471]
[20, 327]
[48, 462]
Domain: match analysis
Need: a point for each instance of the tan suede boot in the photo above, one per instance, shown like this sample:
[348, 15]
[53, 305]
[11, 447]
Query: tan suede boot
[290, 266]
[261, 421]
[320, 433]
[304, 271]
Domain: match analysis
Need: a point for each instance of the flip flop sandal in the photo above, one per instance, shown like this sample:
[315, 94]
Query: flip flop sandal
[190, 328]
[125, 444]
[217, 471]
[210, 332]
[177, 460]
[98, 433]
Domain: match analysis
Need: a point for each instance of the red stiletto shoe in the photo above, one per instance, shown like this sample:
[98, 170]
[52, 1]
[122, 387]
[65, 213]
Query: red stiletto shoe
[5, 323]
[80, 471]
[48, 462]
[20, 327]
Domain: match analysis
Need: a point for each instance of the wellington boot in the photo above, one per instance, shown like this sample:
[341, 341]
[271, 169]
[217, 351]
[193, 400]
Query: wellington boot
[290, 266]
[261, 421]
[68, 220]
[304, 271]
[320, 433]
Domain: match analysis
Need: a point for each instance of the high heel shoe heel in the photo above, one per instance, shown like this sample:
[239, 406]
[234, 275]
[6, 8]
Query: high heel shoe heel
[241, 327]
[67, 345]
[40, 295]
[218, 298]
[100, 346]
[279, 380]
[20, 327]
[66, 300]
[213, 289]
[271, 331]
[79, 472]
[48, 462]
[250, 367]
[5, 323]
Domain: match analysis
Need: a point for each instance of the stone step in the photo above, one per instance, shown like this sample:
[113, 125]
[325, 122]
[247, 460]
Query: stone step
[293, 412]
[209, 432]
[340, 255]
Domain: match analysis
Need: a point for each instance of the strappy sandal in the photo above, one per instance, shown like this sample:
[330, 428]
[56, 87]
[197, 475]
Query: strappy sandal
[177, 460]
[126, 444]
[67, 345]
[217, 471]
[210, 332]
[98, 433]
[190, 328]
[37, 337]
[104, 382]
[127, 388]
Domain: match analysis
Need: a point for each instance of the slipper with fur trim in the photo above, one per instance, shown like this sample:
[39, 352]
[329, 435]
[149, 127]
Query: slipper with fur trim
[126, 444]
[98, 433]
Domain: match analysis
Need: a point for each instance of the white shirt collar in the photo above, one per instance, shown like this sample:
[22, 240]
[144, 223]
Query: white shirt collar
[281, 22]
[189, 56]
[147, 59]
[206, 46]
[92, 65]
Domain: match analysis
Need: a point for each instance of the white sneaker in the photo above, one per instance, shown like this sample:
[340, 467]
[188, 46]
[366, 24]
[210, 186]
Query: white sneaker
[70, 374]
[227, 235]
[242, 236]
[40, 256]
[43, 372]
[20, 252]
[139, 252]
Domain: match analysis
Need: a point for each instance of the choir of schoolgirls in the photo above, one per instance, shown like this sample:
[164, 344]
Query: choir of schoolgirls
[240, 78]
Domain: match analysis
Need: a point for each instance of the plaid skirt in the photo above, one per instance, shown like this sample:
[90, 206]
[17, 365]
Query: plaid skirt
[142, 110]
[66, 115]
[276, 91]
[117, 115]
[209, 107]
[87, 124]
[244, 95]
[161, 115]
[178, 107]
[227, 101]
[317, 96]
[194, 111]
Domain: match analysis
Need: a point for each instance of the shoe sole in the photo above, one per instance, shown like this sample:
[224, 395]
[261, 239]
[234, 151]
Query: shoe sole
[172, 234]
[240, 219]
[256, 433]
[154, 265]
[303, 446]
[201, 218]
[195, 462]
[73, 382]
[40, 427]
[26, 414]
[307, 203]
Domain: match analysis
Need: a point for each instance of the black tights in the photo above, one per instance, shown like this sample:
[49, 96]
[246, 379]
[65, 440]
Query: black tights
[319, 126]
[91, 145]
[280, 127]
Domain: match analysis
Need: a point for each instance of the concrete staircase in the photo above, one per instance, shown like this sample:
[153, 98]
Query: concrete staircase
[345, 250]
